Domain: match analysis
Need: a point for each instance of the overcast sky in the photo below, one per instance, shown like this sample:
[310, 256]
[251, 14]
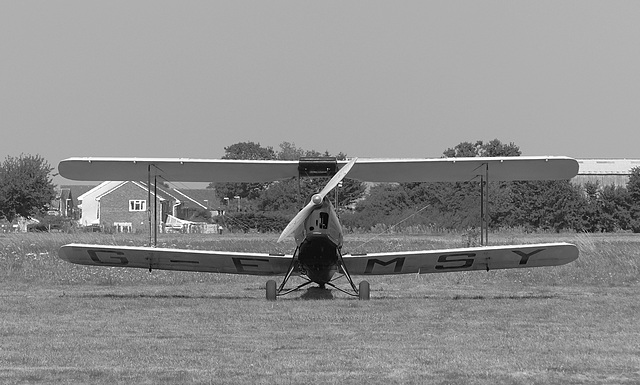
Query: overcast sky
[368, 78]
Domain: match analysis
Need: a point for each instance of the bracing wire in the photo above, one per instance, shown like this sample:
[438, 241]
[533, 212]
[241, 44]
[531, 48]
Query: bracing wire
[375, 236]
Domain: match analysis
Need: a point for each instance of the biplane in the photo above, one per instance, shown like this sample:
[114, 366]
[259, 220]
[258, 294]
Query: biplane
[318, 256]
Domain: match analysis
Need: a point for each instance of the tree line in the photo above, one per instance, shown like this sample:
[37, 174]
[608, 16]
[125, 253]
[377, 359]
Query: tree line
[26, 189]
[541, 205]
[528, 205]
[285, 196]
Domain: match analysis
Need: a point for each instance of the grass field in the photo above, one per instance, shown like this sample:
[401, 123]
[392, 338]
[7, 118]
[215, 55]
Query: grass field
[574, 324]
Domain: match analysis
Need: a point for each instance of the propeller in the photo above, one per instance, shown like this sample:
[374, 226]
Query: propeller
[316, 200]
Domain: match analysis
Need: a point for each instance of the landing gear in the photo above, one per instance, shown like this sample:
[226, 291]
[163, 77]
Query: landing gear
[320, 274]
[271, 290]
[363, 291]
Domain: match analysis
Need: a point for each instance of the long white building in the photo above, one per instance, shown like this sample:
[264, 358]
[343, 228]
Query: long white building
[605, 171]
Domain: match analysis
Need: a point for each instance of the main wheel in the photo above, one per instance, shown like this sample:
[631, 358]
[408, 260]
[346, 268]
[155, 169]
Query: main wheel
[363, 291]
[271, 290]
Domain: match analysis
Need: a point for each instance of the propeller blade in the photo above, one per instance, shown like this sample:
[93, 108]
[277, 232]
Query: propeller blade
[316, 201]
[337, 178]
[297, 221]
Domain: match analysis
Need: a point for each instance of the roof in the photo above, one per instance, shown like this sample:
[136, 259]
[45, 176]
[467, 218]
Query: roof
[190, 198]
[607, 166]
[107, 187]
[198, 198]
[75, 190]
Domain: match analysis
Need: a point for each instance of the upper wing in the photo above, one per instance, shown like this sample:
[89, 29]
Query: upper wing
[177, 169]
[370, 170]
[475, 258]
[176, 259]
[465, 169]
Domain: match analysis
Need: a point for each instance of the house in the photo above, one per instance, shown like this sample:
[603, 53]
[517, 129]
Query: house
[127, 206]
[65, 203]
[196, 200]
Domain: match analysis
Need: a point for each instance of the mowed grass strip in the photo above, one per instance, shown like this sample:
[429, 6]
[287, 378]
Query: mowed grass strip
[573, 324]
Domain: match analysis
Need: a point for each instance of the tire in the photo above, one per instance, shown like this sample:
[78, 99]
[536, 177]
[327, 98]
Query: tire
[271, 290]
[363, 291]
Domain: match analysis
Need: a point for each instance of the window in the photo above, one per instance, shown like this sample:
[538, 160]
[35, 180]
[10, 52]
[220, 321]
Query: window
[137, 205]
[123, 227]
[324, 220]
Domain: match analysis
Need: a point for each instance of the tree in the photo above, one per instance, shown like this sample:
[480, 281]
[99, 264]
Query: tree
[497, 148]
[633, 189]
[283, 195]
[615, 207]
[633, 185]
[459, 202]
[464, 150]
[25, 186]
[243, 150]
[547, 205]
[479, 148]
[385, 204]
[279, 196]
[249, 150]
[534, 204]
[289, 151]
[591, 211]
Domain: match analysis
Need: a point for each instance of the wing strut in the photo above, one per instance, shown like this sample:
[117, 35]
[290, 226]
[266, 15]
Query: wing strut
[484, 206]
[153, 223]
[149, 203]
[155, 210]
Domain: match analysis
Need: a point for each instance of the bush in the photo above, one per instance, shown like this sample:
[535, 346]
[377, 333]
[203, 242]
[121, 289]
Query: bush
[52, 223]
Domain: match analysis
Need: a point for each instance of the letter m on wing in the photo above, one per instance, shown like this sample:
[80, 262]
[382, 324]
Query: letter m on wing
[398, 263]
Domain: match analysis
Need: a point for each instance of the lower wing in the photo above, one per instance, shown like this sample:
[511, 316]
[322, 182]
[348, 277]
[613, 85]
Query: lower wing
[429, 261]
[176, 259]
[475, 258]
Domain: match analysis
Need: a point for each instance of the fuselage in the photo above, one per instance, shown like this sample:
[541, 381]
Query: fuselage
[319, 243]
